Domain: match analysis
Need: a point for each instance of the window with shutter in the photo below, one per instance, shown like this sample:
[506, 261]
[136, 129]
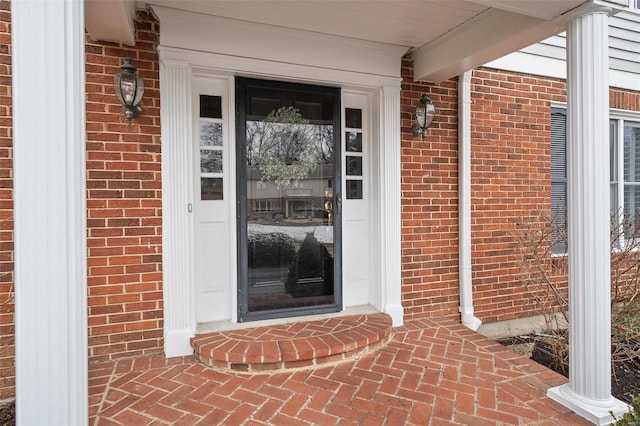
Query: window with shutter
[559, 178]
[624, 166]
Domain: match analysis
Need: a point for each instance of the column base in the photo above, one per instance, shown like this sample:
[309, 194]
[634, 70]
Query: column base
[178, 343]
[396, 312]
[596, 411]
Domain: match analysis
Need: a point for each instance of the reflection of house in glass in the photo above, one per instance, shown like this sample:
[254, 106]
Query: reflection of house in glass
[301, 200]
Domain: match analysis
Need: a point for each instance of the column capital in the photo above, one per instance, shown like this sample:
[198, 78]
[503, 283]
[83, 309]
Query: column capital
[592, 7]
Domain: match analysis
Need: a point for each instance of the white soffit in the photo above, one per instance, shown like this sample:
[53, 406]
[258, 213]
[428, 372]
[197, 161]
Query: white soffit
[408, 23]
[112, 20]
[488, 36]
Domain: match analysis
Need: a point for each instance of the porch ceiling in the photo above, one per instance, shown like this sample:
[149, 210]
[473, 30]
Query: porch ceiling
[447, 36]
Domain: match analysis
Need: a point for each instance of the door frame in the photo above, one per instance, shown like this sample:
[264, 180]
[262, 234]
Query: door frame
[195, 44]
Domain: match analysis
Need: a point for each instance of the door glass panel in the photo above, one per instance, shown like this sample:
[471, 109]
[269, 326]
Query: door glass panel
[288, 154]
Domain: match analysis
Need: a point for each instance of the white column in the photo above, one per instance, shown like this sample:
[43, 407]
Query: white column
[390, 217]
[588, 392]
[179, 314]
[50, 224]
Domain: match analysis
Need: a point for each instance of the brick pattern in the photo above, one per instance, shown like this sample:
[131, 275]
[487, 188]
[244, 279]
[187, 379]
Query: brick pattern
[431, 372]
[511, 164]
[510, 183]
[7, 342]
[293, 345]
[429, 186]
[124, 202]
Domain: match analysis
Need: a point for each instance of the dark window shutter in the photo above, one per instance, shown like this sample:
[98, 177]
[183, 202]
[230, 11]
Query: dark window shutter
[559, 177]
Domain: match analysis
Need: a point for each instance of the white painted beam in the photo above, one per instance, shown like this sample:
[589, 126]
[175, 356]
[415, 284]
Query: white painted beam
[50, 224]
[486, 37]
[111, 20]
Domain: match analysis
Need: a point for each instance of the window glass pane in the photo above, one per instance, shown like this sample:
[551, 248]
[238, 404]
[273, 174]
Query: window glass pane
[354, 189]
[613, 199]
[613, 150]
[354, 166]
[631, 202]
[210, 106]
[210, 134]
[211, 189]
[631, 153]
[354, 141]
[210, 161]
[353, 118]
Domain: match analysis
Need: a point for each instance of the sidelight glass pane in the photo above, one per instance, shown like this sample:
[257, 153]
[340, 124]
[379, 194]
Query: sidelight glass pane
[353, 118]
[210, 106]
[210, 134]
[354, 166]
[354, 189]
[210, 161]
[211, 189]
[354, 141]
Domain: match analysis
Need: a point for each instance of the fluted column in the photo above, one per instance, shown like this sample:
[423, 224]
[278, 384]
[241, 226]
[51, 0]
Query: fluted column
[588, 392]
[177, 269]
[50, 205]
[390, 170]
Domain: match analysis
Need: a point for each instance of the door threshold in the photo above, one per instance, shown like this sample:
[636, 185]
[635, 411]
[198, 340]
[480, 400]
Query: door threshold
[209, 327]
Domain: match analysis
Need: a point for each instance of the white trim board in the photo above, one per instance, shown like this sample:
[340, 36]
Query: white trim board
[284, 46]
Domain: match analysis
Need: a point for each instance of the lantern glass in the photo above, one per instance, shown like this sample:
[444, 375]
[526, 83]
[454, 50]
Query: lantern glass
[429, 114]
[421, 115]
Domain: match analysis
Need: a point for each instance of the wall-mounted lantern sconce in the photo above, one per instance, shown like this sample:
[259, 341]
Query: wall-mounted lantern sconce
[129, 89]
[425, 111]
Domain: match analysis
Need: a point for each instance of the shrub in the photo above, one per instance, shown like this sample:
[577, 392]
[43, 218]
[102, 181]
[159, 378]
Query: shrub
[545, 277]
[632, 418]
[311, 270]
[273, 249]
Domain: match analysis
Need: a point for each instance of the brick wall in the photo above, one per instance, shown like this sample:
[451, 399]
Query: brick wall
[510, 182]
[7, 342]
[510, 162]
[124, 203]
[429, 185]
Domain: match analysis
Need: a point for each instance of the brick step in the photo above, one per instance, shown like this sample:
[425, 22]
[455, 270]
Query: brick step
[295, 345]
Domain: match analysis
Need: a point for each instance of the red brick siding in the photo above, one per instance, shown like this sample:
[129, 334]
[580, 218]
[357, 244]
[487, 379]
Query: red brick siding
[429, 185]
[511, 164]
[7, 341]
[124, 224]
[510, 182]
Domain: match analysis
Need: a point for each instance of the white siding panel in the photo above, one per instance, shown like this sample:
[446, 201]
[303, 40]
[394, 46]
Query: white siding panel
[624, 53]
[546, 50]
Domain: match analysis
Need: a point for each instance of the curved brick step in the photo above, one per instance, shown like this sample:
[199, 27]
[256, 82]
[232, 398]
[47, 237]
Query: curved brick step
[300, 344]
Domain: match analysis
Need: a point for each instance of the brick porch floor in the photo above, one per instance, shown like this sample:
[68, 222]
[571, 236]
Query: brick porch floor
[431, 372]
